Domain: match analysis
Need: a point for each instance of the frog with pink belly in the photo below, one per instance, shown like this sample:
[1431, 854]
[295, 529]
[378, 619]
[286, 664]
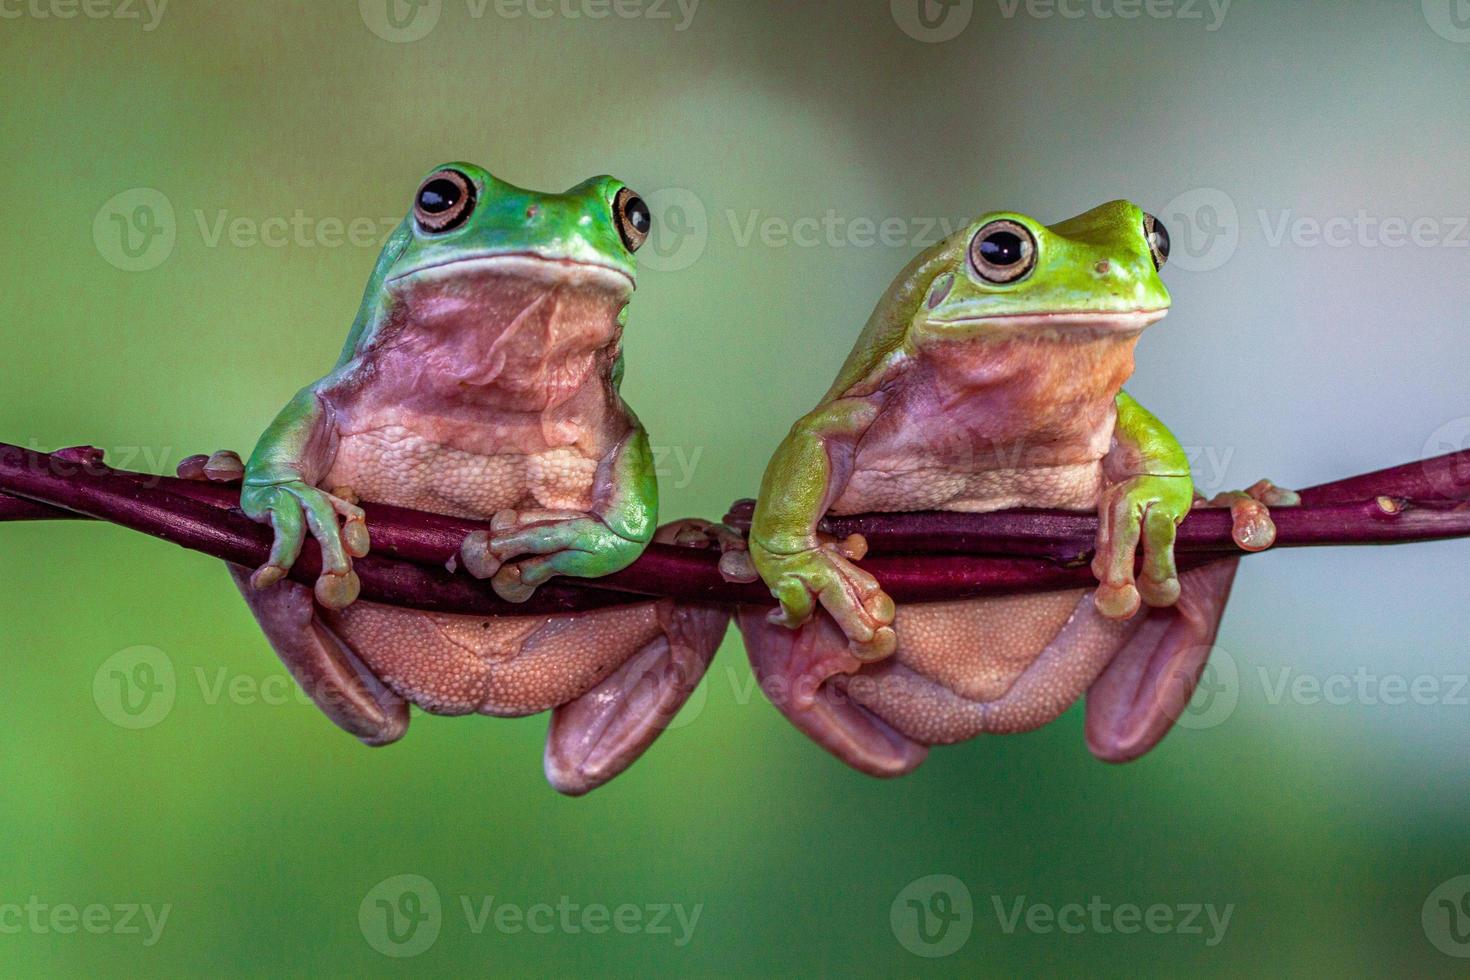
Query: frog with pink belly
[990, 376]
[480, 380]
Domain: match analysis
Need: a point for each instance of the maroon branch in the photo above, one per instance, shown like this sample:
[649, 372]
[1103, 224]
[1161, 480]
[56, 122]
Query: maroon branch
[921, 556]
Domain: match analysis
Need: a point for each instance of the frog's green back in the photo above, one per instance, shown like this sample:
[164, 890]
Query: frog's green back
[888, 326]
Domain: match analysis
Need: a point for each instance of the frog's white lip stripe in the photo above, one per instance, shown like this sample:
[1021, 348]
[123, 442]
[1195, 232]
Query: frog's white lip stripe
[1121, 320]
[527, 262]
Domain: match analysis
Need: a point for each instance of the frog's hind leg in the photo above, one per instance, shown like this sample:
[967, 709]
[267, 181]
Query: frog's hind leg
[793, 667]
[322, 663]
[1136, 700]
[594, 737]
[993, 666]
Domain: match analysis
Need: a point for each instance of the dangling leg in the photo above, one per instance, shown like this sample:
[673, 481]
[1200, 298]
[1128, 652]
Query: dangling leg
[596, 736]
[326, 667]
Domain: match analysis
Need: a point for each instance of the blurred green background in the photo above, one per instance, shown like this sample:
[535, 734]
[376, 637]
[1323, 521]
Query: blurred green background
[238, 142]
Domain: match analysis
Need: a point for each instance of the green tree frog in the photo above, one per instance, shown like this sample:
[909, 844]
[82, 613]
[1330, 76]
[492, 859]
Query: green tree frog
[480, 379]
[990, 376]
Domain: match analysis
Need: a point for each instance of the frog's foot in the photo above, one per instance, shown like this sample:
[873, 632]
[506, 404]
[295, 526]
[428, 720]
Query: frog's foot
[826, 575]
[798, 670]
[598, 735]
[1141, 510]
[563, 542]
[325, 666]
[1250, 509]
[221, 467]
[293, 507]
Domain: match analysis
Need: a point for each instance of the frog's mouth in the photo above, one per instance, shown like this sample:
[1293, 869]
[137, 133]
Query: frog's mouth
[532, 328]
[528, 264]
[1073, 324]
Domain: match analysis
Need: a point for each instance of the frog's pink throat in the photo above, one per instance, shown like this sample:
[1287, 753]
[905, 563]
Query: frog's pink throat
[531, 328]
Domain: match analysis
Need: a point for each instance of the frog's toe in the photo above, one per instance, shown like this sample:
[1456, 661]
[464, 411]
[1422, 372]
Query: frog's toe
[221, 467]
[1250, 510]
[477, 557]
[508, 584]
[1117, 601]
[337, 590]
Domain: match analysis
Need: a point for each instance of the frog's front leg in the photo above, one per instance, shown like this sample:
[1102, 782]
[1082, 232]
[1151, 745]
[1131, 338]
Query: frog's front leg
[280, 489]
[585, 545]
[1147, 491]
[809, 470]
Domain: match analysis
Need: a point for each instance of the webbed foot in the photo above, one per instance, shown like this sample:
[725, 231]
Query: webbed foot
[827, 574]
[1141, 511]
[562, 542]
[1250, 509]
[292, 508]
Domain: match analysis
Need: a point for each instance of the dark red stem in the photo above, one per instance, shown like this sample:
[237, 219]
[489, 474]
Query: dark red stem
[917, 556]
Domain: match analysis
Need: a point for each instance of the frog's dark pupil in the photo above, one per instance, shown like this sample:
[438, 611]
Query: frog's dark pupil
[1160, 239]
[439, 196]
[638, 215]
[1001, 248]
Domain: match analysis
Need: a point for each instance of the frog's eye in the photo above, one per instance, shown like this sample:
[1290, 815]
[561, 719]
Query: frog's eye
[634, 220]
[1003, 251]
[444, 200]
[1158, 239]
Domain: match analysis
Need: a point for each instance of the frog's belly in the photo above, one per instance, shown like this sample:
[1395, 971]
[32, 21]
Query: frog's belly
[450, 664]
[394, 465]
[453, 664]
[938, 487]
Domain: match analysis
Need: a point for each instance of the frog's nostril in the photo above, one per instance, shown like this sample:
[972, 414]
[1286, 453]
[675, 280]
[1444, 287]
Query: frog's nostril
[531, 211]
[1103, 267]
